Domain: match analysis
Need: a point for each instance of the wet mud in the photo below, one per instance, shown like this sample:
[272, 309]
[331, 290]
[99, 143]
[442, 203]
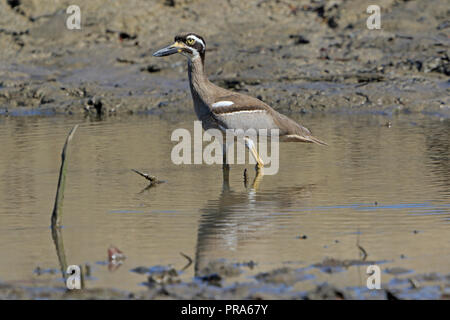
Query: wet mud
[298, 56]
[217, 281]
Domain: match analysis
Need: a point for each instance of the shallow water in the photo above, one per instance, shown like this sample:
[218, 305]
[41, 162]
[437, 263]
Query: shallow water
[384, 188]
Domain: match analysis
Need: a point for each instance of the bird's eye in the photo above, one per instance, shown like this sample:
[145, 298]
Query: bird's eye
[190, 41]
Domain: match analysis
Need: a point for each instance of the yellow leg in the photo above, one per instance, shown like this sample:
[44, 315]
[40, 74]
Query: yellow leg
[251, 146]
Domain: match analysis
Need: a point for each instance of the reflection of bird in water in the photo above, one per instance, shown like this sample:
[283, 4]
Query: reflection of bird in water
[236, 218]
[223, 109]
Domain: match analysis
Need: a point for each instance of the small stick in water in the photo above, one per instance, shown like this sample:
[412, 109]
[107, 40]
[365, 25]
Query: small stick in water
[363, 252]
[188, 259]
[153, 180]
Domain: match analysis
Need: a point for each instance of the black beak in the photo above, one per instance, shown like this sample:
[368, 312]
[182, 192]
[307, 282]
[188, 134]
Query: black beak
[167, 51]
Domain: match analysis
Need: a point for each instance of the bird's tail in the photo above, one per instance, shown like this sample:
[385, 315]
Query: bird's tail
[318, 141]
[303, 138]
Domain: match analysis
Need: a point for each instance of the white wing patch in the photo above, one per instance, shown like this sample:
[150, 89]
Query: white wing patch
[242, 111]
[222, 104]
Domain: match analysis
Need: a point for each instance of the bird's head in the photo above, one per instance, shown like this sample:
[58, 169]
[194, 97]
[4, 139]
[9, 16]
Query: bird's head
[190, 45]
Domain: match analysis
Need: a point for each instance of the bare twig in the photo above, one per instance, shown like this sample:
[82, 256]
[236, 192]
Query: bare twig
[188, 259]
[363, 252]
[152, 179]
[57, 209]
[414, 283]
[60, 252]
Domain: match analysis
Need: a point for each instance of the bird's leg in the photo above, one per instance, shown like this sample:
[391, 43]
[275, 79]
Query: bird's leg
[251, 147]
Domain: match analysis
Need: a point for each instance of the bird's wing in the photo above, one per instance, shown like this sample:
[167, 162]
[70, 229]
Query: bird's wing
[239, 111]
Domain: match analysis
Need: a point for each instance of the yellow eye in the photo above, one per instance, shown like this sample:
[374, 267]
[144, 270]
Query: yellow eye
[190, 41]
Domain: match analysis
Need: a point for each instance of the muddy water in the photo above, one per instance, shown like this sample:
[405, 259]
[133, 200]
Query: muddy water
[386, 189]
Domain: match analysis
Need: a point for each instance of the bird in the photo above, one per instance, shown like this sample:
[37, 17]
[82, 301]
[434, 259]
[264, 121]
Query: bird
[222, 109]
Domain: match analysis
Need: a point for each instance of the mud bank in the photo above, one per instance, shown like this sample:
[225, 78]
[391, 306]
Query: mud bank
[217, 281]
[298, 56]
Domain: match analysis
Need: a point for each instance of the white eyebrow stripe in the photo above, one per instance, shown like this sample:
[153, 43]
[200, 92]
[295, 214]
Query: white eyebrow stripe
[222, 104]
[197, 39]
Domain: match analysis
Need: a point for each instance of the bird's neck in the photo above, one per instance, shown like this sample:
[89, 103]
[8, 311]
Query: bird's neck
[198, 80]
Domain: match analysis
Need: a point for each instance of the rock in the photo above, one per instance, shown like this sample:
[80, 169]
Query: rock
[299, 39]
[212, 279]
[152, 68]
[328, 292]
[283, 275]
[220, 267]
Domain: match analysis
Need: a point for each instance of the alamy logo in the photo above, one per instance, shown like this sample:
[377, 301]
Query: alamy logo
[74, 277]
[374, 280]
[73, 22]
[191, 151]
[374, 20]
